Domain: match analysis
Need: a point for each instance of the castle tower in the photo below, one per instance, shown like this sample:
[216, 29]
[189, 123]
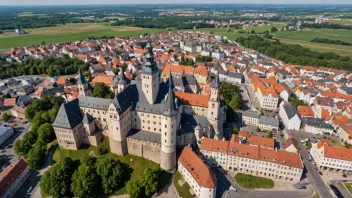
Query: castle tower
[169, 129]
[214, 108]
[123, 82]
[150, 76]
[83, 85]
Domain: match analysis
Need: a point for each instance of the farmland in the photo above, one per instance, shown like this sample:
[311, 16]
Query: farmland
[68, 32]
[305, 36]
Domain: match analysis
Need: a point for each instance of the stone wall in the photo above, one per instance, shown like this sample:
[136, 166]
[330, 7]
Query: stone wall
[147, 150]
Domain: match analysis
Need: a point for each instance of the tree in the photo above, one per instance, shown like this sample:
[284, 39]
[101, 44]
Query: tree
[100, 90]
[23, 146]
[85, 182]
[35, 156]
[274, 29]
[270, 135]
[46, 132]
[235, 131]
[134, 189]
[253, 32]
[236, 101]
[150, 181]
[57, 180]
[6, 117]
[110, 171]
[258, 129]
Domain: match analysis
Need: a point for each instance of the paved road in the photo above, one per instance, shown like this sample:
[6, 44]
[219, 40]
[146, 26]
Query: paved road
[169, 191]
[224, 181]
[342, 190]
[313, 176]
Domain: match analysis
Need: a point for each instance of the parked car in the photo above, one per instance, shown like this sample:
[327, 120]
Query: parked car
[232, 188]
[301, 187]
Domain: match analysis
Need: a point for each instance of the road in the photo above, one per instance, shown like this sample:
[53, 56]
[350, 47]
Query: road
[313, 176]
[224, 181]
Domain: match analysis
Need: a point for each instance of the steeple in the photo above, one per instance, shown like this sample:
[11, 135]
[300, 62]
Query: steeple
[81, 79]
[170, 106]
[122, 79]
[150, 65]
[216, 83]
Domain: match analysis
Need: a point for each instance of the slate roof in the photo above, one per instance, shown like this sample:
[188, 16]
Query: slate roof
[81, 79]
[315, 122]
[93, 102]
[87, 118]
[190, 122]
[250, 114]
[170, 106]
[189, 79]
[216, 83]
[69, 115]
[269, 121]
[144, 135]
[289, 110]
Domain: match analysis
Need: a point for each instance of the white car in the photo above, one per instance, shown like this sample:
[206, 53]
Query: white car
[232, 188]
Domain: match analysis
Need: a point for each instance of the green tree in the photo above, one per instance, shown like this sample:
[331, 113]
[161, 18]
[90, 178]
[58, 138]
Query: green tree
[6, 117]
[46, 132]
[35, 156]
[258, 129]
[235, 131]
[236, 101]
[110, 171]
[270, 134]
[274, 29]
[85, 182]
[23, 146]
[134, 189]
[253, 32]
[100, 90]
[150, 181]
[57, 180]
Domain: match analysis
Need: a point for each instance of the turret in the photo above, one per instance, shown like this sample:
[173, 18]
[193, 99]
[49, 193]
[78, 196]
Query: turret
[150, 76]
[214, 108]
[83, 86]
[169, 130]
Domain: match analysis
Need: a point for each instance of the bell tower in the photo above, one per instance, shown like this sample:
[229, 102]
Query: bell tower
[214, 108]
[83, 86]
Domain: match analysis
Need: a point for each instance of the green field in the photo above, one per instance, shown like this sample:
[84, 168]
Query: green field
[341, 22]
[253, 182]
[348, 187]
[26, 14]
[262, 29]
[304, 37]
[184, 190]
[68, 32]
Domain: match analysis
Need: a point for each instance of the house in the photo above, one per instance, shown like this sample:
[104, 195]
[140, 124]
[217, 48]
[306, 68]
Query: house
[197, 174]
[268, 98]
[290, 145]
[329, 157]
[305, 111]
[261, 142]
[23, 101]
[13, 177]
[18, 112]
[289, 117]
[9, 102]
[62, 81]
[24, 90]
[344, 132]
[268, 123]
[5, 133]
[231, 77]
[39, 92]
[316, 126]
[250, 118]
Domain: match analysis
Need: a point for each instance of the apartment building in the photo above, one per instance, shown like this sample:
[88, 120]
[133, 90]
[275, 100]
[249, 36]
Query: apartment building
[197, 174]
[289, 117]
[252, 159]
[265, 123]
[316, 126]
[329, 157]
[5, 133]
[345, 133]
[250, 118]
[268, 98]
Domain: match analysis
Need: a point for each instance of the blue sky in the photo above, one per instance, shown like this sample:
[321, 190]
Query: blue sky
[81, 2]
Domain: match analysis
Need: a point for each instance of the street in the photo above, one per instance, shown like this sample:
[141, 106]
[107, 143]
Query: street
[313, 175]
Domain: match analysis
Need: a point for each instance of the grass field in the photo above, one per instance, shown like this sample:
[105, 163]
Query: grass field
[184, 190]
[26, 14]
[262, 29]
[68, 32]
[348, 187]
[305, 36]
[134, 165]
[253, 182]
[341, 22]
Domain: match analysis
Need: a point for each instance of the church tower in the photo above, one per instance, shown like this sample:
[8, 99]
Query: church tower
[169, 130]
[150, 76]
[123, 82]
[83, 86]
[214, 108]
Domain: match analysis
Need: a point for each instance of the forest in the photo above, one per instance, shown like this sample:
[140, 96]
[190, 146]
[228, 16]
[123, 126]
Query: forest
[49, 65]
[295, 54]
[329, 41]
[326, 25]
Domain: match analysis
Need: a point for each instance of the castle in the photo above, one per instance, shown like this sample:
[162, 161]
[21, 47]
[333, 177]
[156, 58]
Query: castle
[146, 118]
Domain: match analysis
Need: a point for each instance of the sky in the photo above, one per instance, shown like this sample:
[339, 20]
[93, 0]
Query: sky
[83, 2]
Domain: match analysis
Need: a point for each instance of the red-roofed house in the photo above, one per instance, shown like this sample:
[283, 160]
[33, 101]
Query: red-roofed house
[12, 178]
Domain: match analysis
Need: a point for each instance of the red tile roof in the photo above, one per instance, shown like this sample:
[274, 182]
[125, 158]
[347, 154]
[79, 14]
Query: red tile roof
[305, 111]
[193, 99]
[201, 173]
[9, 102]
[262, 141]
[9, 175]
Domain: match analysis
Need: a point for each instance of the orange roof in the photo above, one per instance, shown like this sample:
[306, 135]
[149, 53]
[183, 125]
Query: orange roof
[270, 91]
[47, 82]
[309, 68]
[197, 168]
[9, 102]
[262, 141]
[279, 88]
[193, 99]
[272, 80]
[214, 145]
[244, 134]
[200, 71]
[61, 80]
[106, 79]
[140, 51]
[305, 111]
[336, 152]
[188, 70]
[259, 68]
[39, 91]
[289, 159]
[9, 175]
[289, 142]
[325, 114]
[338, 118]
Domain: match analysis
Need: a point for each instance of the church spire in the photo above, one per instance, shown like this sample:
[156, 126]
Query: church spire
[81, 79]
[150, 65]
[170, 106]
[216, 83]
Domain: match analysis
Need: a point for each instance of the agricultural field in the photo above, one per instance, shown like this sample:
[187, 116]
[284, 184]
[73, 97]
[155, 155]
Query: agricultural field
[262, 29]
[341, 22]
[27, 14]
[305, 36]
[68, 32]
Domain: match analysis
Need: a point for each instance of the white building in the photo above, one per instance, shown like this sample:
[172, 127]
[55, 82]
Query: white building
[289, 116]
[5, 133]
[252, 159]
[190, 48]
[197, 174]
[328, 157]
[250, 118]
[316, 126]
[231, 77]
[218, 54]
[345, 133]
[268, 123]
[268, 98]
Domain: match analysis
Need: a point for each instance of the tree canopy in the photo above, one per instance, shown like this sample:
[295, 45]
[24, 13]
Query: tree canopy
[110, 171]
[101, 90]
[85, 182]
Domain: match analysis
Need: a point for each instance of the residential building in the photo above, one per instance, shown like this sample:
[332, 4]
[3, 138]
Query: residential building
[305, 111]
[5, 133]
[13, 177]
[197, 174]
[344, 133]
[290, 145]
[231, 77]
[250, 118]
[268, 123]
[9, 102]
[268, 98]
[289, 116]
[329, 157]
[18, 112]
[316, 126]
[252, 159]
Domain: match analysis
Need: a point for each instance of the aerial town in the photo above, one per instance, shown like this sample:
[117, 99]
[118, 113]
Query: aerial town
[294, 125]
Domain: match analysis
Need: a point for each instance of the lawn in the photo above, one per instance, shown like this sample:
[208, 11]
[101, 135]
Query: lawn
[253, 182]
[68, 32]
[184, 190]
[134, 165]
[348, 187]
[304, 37]
[335, 141]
